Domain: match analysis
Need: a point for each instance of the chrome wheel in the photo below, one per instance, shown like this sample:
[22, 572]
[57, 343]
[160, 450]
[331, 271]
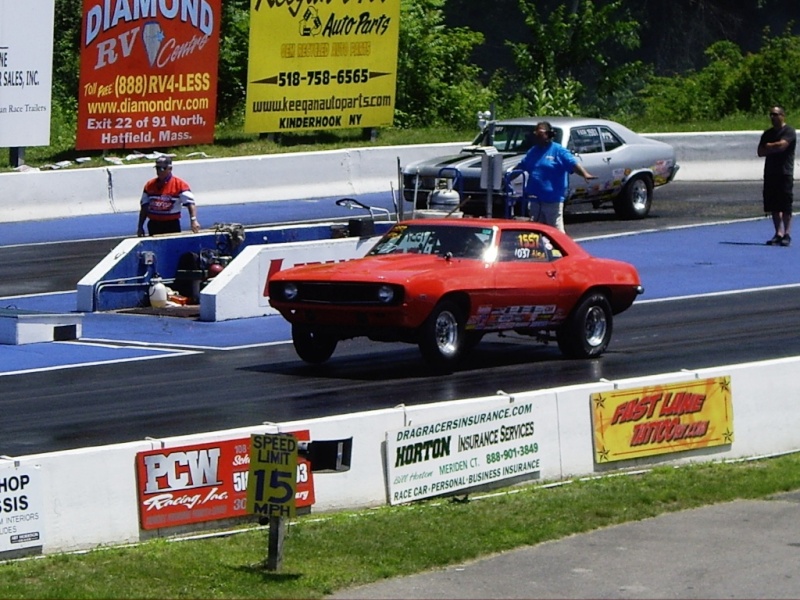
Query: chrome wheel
[595, 326]
[446, 333]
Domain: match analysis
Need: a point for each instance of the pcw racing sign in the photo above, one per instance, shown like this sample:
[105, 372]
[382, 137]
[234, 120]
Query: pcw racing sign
[203, 482]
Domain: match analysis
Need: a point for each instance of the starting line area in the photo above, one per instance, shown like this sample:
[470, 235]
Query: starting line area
[675, 263]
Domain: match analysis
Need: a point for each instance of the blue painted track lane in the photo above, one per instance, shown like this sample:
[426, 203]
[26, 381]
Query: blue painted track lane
[689, 261]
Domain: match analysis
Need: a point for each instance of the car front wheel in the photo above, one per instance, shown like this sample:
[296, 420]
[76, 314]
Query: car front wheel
[587, 331]
[312, 346]
[635, 199]
[442, 338]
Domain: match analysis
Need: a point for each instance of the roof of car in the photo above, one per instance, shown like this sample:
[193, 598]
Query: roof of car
[561, 122]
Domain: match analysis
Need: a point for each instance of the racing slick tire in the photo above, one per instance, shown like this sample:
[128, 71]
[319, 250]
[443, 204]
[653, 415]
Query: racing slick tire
[442, 339]
[313, 347]
[587, 331]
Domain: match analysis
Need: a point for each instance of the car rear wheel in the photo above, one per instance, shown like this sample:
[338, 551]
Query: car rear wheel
[587, 331]
[635, 199]
[442, 339]
[312, 346]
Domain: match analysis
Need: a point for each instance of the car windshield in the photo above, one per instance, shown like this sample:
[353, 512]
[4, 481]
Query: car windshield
[512, 138]
[421, 238]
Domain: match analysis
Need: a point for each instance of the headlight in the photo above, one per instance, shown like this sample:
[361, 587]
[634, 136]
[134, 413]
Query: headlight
[385, 294]
[290, 291]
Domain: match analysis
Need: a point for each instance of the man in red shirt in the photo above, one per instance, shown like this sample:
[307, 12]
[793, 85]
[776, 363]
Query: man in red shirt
[162, 199]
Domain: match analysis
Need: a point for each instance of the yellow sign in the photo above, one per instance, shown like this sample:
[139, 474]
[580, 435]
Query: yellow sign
[272, 480]
[665, 418]
[321, 65]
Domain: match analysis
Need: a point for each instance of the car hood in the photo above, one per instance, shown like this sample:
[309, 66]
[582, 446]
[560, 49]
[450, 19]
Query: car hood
[469, 158]
[393, 268]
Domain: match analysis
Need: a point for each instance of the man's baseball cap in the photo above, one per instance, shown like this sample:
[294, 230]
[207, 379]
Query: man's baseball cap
[163, 161]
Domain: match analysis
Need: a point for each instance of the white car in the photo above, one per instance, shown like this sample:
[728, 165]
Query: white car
[628, 167]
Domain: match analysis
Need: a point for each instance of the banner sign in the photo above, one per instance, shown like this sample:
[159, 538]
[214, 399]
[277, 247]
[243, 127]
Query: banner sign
[21, 523]
[148, 73]
[660, 419]
[26, 72]
[321, 65]
[454, 454]
[273, 475]
[202, 482]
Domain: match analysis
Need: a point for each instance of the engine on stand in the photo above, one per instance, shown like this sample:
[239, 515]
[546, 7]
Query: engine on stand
[196, 269]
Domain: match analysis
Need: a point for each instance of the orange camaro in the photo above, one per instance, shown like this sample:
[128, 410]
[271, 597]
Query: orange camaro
[445, 283]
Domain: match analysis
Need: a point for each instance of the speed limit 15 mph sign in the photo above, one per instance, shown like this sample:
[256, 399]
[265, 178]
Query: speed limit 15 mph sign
[272, 481]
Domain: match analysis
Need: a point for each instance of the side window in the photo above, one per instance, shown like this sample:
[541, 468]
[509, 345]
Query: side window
[585, 140]
[610, 139]
[526, 246]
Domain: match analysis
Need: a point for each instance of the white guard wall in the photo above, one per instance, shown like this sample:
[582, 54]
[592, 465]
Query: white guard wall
[301, 175]
[307, 175]
[90, 494]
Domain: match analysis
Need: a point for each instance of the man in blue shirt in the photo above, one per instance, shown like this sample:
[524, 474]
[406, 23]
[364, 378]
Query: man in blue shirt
[548, 166]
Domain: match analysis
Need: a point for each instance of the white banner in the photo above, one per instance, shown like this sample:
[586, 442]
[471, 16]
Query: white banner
[21, 523]
[463, 452]
[26, 72]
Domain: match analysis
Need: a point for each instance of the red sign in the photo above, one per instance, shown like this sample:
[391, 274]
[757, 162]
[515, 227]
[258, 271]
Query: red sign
[148, 73]
[203, 482]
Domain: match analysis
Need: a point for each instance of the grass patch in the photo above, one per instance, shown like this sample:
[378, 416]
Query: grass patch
[325, 553]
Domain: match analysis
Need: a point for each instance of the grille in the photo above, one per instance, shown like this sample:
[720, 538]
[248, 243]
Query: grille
[344, 293]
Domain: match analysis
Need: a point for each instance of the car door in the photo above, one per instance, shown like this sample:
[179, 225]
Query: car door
[526, 285]
[594, 146]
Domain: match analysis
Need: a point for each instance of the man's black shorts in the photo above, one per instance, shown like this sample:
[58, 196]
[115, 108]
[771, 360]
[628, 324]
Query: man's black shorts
[161, 227]
[778, 194]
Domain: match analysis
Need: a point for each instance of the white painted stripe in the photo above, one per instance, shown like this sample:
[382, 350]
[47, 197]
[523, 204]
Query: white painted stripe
[96, 363]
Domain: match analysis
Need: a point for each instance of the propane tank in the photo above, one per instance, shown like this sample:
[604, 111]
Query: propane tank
[157, 293]
[445, 198]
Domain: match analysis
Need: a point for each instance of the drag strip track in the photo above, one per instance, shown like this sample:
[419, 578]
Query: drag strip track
[213, 390]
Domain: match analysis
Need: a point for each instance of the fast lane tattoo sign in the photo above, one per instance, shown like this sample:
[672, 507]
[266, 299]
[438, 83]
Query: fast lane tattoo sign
[661, 419]
[148, 73]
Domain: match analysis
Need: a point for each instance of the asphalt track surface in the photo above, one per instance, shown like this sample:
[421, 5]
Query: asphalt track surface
[715, 294]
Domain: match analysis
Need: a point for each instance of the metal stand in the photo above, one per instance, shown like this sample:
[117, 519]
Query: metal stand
[16, 156]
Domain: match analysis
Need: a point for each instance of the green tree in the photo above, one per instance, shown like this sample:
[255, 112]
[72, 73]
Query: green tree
[731, 83]
[233, 53]
[437, 84]
[566, 59]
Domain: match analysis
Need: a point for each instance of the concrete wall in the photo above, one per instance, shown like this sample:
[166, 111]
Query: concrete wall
[307, 175]
[89, 495]
[220, 181]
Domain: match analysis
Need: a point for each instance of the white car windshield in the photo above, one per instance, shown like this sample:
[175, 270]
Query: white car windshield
[512, 138]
